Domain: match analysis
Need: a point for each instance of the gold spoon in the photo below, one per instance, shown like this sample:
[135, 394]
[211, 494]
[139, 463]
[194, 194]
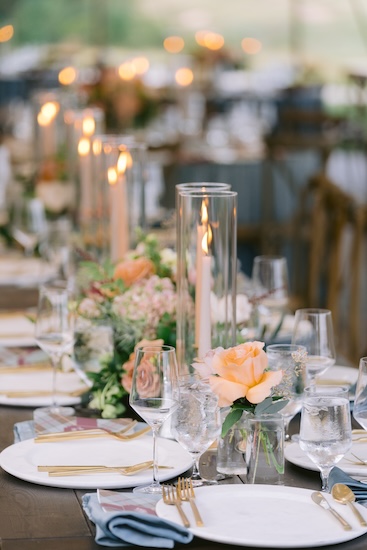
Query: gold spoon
[344, 495]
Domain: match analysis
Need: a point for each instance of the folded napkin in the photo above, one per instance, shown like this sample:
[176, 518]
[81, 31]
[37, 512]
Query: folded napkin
[359, 489]
[133, 528]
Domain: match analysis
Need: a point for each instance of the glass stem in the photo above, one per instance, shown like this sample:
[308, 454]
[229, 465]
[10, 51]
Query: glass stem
[55, 365]
[155, 430]
[325, 479]
[195, 467]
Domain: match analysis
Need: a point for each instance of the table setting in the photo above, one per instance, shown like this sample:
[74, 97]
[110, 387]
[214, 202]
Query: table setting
[178, 389]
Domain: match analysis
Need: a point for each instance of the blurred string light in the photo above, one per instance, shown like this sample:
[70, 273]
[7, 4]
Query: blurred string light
[184, 76]
[251, 46]
[67, 76]
[208, 39]
[6, 33]
[173, 44]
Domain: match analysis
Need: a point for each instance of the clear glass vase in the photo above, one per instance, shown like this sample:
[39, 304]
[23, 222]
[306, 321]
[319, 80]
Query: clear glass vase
[206, 273]
[231, 459]
[265, 449]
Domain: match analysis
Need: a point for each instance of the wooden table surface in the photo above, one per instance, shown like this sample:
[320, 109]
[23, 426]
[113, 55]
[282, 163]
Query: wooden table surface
[34, 517]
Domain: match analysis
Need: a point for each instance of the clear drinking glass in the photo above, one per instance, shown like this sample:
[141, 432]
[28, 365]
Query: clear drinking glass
[291, 359]
[325, 430]
[360, 399]
[29, 224]
[313, 329]
[271, 287]
[196, 422]
[54, 330]
[154, 395]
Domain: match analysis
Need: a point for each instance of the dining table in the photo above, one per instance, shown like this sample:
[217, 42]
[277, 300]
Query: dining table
[37, 517]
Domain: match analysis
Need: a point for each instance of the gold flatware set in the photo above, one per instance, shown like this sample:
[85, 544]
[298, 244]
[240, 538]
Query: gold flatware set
[182, 492]
[77, 470]
[91, 433]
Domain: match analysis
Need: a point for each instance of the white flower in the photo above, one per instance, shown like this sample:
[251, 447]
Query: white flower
[89, 308]
[169, 258]
[219, 306]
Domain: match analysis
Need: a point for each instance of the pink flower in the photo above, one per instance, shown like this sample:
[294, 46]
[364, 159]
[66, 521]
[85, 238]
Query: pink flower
[239, 372]
[128, 367]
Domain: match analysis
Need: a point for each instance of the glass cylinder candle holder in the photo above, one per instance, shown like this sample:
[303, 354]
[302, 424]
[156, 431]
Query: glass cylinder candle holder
[118, 194]
[206, 273]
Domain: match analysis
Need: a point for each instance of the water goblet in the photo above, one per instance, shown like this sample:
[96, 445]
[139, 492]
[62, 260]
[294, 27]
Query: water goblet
[29, 224]
[154, 395]
[290, 358]
[325, 429]
[271, 286]
[360, 399]
[54, 330]
[196, 422]
[313, 329]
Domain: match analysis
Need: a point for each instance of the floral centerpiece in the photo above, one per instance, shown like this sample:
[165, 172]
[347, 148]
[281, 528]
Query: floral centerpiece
[241, 379]
[239, 376]
[137, 296]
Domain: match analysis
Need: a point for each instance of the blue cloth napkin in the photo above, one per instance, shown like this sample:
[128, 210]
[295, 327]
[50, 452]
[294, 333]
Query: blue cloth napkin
[129, 528]
[359, 489]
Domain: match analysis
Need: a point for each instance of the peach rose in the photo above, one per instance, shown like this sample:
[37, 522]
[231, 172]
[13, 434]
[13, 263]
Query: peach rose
[239, 372]
[127, 377]
[133, 270]
[148, 382]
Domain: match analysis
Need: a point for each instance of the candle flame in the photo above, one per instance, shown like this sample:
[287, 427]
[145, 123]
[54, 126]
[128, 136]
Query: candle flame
[207, 239]
[122, 163]
[89, 125]
[112, 175]
[97, 147]
[83, 147]
[204, 213]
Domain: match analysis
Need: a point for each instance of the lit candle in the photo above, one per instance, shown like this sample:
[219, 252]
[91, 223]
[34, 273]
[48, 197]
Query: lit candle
[46, 121]
[201, 228]
[85, 178]
[205, 338]
[119, 222]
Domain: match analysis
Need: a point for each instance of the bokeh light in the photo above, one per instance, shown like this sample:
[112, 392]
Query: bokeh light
[173, 44]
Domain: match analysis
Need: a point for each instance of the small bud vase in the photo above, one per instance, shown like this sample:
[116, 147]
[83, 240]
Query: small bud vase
[265, 449]
[231, 458]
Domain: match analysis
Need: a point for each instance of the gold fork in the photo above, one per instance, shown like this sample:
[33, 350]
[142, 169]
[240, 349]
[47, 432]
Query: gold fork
[85, 434]
[185, 492]
[170, 497]
[61, 471]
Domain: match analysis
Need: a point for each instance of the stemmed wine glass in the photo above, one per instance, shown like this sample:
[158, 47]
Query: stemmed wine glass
[196, 422]
[325, 430]
[271, 287]
[54, 331]
[313, 328]
[29, 224]
[154, 395]
[360, 399]
[290, 358]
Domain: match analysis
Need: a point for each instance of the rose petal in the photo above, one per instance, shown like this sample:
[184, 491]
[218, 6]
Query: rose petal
[258, 393]
[226, 391]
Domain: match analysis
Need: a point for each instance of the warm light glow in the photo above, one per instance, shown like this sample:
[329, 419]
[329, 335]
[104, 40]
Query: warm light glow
[213, 41]
[122, 163]
[173, 44]
[67, 76]
[200, 37]
[107, 148]
[83, 147]
[251, 46]
[112, 175]
[140, 65]
[68, 117]
[42, 119]
[50, 109]
[184, 76]
[204, 213]
[97, 147]
[6, 33]
[126, 71]
[88, 125]
[207, 239]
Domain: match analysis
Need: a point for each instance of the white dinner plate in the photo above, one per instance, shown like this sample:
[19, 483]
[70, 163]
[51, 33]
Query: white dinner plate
[294, 454]
[268, 516]
[338, 375]
[16, 330]
[40, 380]
[21, 460]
